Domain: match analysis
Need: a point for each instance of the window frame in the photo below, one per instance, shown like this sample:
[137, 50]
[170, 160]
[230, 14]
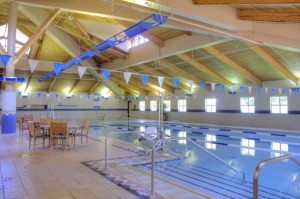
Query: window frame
[282, 106]
[247, 108]
[153, 105]
[181, 105]
[143, 106]
[209, 106]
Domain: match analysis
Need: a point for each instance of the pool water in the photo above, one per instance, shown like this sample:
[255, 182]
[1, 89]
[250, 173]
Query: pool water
[243, 150]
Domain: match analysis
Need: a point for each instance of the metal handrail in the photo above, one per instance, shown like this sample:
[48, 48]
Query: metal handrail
[189, 139]
[131, 132]
[267, 161]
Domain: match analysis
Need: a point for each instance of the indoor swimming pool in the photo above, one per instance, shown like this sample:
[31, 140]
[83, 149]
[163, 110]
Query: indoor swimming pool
[201, 172]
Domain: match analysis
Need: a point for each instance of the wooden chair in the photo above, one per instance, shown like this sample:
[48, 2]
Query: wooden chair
[59, 132]
[34, 133]
[84, 132]
[22, 126]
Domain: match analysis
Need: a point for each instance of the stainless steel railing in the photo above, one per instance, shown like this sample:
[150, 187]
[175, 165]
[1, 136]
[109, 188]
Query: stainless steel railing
[267, 161]
[195, 143]
[131, 132]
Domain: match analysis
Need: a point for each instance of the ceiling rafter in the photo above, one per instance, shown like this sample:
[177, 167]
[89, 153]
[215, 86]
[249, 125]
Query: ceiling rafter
[93, 88]
[234, 65]
[36, 34]
[146, 68]
[204, 69]
[2, 50]
[28, 82]
[260, 51]
[211, 2]
[51, 84]
[130, 86]
[80, 27]
[289, 15]
[74, 86]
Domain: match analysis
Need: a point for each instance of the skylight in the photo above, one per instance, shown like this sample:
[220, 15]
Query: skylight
[138, 40]
[21, 39]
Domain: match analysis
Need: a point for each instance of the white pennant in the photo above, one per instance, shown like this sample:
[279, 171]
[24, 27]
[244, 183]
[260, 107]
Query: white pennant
[249, 89]
[81, 70]
[127, 77]
[213, 86]
[191, 83]
[48, 95]
[232, 88]
[160, 80]
[33, 64]
[81, 97]
[279, 90]
[290, 90]
[266, 89]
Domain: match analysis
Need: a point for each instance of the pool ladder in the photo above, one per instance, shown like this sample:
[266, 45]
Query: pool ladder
[267, 161]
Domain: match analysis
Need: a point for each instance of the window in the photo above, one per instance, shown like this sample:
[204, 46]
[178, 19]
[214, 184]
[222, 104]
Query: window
[182, 105]
[168, 132]
[280, 148]
[21, 39]
[142, 128]
[247, 105]
[248, 147]
[153, 105]
[138, 40]
[210, 105]
[182, 134]
[168, 105]
[279, 104]
[142, 106]
[210, 141]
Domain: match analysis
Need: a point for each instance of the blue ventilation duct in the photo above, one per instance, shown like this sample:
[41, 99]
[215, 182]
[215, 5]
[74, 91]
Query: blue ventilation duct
[140, 27]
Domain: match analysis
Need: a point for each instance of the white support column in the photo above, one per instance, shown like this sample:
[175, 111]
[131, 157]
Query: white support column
[9, 95]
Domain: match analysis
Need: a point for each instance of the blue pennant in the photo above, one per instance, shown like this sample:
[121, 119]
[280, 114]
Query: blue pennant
[128, 98]
[19, 93]
[176, 82]
[106, 74]
[203, 85]
[57, 67]
[258, 89]
[242, 88]
[38, 94]
[89, 97]
[283, 91]
[145, 79]
[56, 95]
[273, 91]
[221, 87]
[5, 59]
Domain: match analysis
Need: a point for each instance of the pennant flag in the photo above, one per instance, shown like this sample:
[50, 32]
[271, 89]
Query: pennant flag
[258, 89]
[146, 97]
[176, 82]
[266, 89]
[48, 95]
[38, 94]
[232, 88]
[81, 96]
[151, 97]
[56, 95]
[213, 86]
[242, 88]
[160, 80]
[141, 97]
[19, 93]
[57, 67]
[127, 77]
[116, 97]
[284, 91]
[191, 83]
[273, 91]
[89, 97]
[221, 87]
[123, 97]
[297, 91]
[290, 90]
[5, 59]
[250, 89]
[145, 79]
[106, 74]
[203, 85]
[279, 90]
[81, 70]
[33, 64]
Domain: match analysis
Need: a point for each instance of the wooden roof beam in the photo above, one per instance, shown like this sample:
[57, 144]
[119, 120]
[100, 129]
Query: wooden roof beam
[235, 66]
[211, 2]
[93, 88]
[52, 84]
[36, 34]
[276, 65]
[28, 82]
[2, 50]
[289, 15]
[130, 87]
[204, 69]
[80, 27]
[74, 86]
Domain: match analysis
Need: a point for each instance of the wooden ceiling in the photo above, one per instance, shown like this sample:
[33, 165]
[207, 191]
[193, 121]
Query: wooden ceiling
[232, 61]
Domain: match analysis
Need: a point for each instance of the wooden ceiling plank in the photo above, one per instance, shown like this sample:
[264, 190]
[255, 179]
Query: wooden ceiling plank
[211, 2]
[74, 86]
[28, 83]
[36, 34]
[81, 28]
[136, 88]
[275, 64]
[52, 84]
[155, 40]
[289, 15]
[2, 50]
[231, 63]
[93, 88]
[98, 55]
[204, 69]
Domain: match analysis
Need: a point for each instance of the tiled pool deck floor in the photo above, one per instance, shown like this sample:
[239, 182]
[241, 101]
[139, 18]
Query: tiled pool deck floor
[55, 174]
